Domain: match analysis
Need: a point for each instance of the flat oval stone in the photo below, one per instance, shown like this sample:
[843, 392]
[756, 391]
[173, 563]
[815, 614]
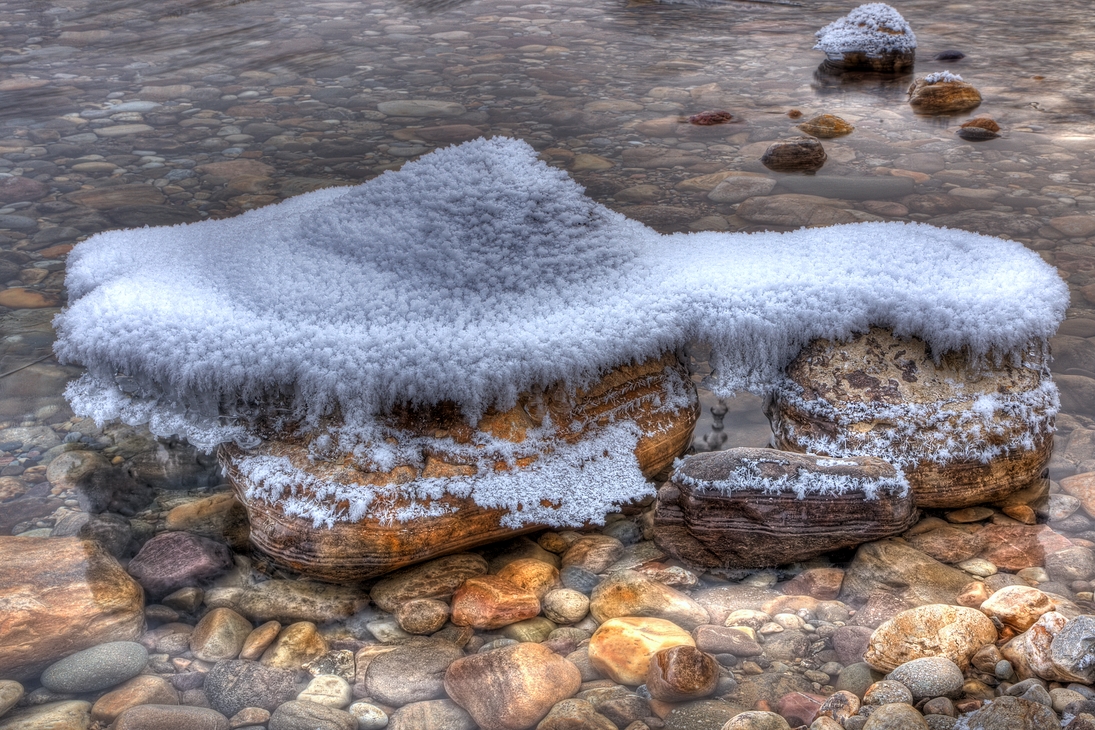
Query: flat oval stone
[170, 717]
[303, 715]
[96, 668]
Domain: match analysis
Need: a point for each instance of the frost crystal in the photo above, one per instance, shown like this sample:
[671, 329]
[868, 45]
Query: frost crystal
[874, 29]
[478, 272]
[941, 76]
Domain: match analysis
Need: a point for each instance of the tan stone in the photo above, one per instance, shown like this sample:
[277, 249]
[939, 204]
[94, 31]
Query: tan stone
[66, 715]
[942, 97]
[60, 596]
[575, 715]
[296, 645]
[422, 615]
[534, 576]
[146, 689]
[896, 568]
[1074, 226]
[587, 163]
[955, 632]
[826, 126]
[116, 196]
[511, 688]
[218, 516]
[792, 210]
[1082, 487]
[236, 168]
[707, 183]
[593, 553]
[437, 578]
[1017, 606]
[19, 298]
[630, 593]
[259, 640]
[894, 716]
[820, 583]
[565, 606]
[221, 634]
[621, 648]
[490, 602]
[973, 595]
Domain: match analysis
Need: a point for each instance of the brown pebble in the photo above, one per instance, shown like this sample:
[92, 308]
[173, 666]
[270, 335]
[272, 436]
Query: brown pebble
[983, 123]
[964, 706]
[710, 118]
[794, 114]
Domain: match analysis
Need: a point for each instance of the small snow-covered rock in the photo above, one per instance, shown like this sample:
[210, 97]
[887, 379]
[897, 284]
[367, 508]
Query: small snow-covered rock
[873, 36]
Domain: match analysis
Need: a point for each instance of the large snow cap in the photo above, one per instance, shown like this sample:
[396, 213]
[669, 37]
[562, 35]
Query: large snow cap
[874, 29]
[478, 272]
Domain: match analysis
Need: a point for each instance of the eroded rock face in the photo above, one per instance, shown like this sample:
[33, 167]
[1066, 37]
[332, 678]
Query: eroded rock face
[760, 507]
[371, 546]
[60, 596]
[964, 433]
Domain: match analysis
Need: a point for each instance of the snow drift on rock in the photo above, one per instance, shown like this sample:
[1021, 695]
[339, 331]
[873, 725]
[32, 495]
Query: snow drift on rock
[478, 272]
[874, 29]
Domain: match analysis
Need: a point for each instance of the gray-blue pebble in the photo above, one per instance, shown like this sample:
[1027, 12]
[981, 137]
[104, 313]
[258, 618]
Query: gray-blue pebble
[579, 579]
[99, 667]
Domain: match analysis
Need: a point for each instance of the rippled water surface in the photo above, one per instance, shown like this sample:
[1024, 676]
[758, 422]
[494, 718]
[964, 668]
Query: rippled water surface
[118, 114]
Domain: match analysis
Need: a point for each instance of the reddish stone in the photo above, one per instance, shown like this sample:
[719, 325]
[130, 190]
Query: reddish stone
[18, 189]
[1015, 547]
[489, 602]
[681, 673]
[174, 560]
[820, 583]
[799, 708]
[710, 118]
[56, 252]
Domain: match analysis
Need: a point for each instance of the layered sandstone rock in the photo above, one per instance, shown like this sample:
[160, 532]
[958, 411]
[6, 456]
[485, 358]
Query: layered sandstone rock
[760, 507]
[376, 544]
[963, 432]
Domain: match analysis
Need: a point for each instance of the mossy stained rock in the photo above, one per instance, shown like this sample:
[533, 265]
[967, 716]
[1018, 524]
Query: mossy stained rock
[376, 543]
[963, 432]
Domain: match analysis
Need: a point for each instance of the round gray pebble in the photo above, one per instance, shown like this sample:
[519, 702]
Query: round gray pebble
[99, 667]
[933, 676]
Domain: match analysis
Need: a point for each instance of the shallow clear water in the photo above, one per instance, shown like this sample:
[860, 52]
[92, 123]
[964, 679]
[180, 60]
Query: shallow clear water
[207, 109]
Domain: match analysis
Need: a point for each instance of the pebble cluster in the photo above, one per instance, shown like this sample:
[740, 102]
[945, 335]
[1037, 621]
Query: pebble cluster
[593, 629]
